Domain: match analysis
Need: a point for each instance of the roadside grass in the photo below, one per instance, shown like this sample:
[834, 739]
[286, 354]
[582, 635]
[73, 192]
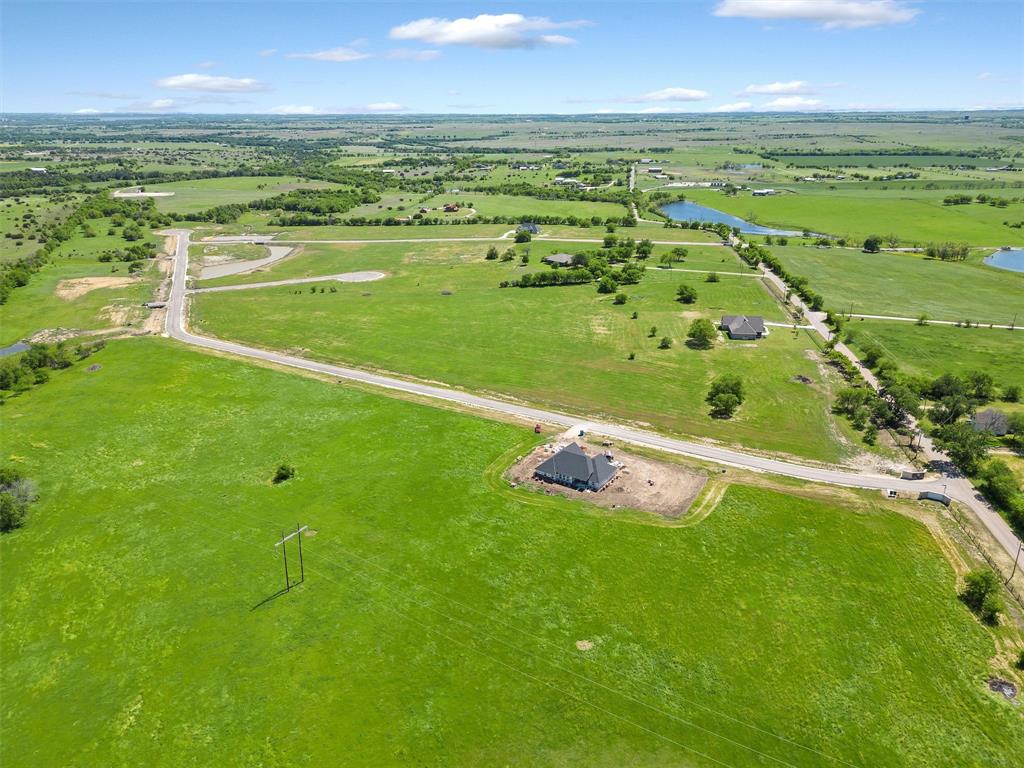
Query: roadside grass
[932, 350]
[200, 194]
[906, 284]
[439, 617]
[36, 306]
[915, 216]
[564, 347]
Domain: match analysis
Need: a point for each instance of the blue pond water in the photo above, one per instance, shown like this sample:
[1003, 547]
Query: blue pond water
[687, 211]
[13, 349]
[1012, 260]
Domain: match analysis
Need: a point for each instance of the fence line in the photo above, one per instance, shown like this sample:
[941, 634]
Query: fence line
[956, 514]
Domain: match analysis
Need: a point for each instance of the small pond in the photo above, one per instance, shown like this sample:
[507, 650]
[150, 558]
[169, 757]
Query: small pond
[1012, 259]
[684, 210]
[13, 349]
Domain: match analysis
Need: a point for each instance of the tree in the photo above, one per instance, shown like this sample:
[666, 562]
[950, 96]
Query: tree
[665, 343]
[283, 472]
[982, 386]
[999, 484]
[609, 241]
[966, 447]
[16, 494]
[644, 248]
[653, 332]
[522, 236]
[687, 294]
[724, 405]
[981, 595]
[702, 334]
[1011, 394]
[727, 384]
[711, 278]
[607, 284]
[676, 254]
[492, 253]
[620, 298]
[873, 244]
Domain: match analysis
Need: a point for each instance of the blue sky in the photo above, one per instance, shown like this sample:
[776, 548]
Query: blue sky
[518, 57]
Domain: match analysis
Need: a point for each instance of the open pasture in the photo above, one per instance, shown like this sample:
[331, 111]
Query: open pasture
[200, 194]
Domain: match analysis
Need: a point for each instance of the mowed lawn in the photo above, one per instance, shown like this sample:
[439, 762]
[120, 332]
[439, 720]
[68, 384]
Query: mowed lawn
[439, 617]
[906, 284]
[564, 347]
[200, 194]
[518, 205]
[932, 350]
[915, 216]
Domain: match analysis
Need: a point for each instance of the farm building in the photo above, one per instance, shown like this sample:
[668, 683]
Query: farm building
[763, 192]
[991, 420]
[559, 259]
[528, 226]
[451, 207]
[742, 326]
[572, 467]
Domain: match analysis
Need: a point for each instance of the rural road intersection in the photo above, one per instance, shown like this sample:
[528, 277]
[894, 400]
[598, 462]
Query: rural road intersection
[956, 488]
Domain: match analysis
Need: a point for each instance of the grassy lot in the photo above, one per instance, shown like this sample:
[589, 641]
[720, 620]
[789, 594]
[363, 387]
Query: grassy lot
[905, 285]
[438, 620]
[566, 347]
[512, 205]
[12, 212]
[200, 194]
[932, 350]
[37, 306]
[258, 224]
[915, 216]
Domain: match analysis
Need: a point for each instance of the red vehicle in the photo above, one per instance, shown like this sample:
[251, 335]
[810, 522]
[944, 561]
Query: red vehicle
[536, 429]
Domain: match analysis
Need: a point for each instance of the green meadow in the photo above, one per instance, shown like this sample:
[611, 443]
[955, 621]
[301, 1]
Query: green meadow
[907, 284]
[932, 350]
[516, 205]
[200, 194]
[564, 347]
[915, 216]
[440, 614]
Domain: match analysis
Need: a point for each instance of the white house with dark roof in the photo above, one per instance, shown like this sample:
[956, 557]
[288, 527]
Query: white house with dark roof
[559, 259]
[572, 467]
[744, 327]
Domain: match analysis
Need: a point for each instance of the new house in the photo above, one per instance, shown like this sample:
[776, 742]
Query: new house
[991, 420]
[528, 226]
[559, 259]
[742, 326]
[763, 192]
[572, 467]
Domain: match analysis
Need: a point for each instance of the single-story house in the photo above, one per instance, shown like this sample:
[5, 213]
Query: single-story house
[37, 170]
[451, 207]
[654, 169]
[528, 226]
[991, 420]
[763, 192]
[572, 467]
[742, 326]
[559, 259]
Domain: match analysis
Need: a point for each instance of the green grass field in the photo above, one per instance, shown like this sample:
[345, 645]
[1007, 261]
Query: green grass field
[438, 620]
[905, 285]
[512, 205]
[932, 350]
[12, 221]
[915, 216]
[200, 194]
[565, 346]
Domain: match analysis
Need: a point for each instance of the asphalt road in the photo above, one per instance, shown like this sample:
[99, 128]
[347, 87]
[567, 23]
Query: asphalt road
[956, 488]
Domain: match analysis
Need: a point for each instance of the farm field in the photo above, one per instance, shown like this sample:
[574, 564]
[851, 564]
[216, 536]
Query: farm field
[200, 194]
[560, 346]
[258, 225]
[525, 207]
[437, 602]
[906, 285]
[932, 350]
[915, 216]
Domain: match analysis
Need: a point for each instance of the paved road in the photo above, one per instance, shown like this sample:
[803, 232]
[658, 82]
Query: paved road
[497, 238]
[176, 328]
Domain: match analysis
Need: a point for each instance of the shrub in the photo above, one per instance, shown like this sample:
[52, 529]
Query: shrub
[607, 284]
[283, 472]
[687, 294]
[492, 253]
[621, 298]
[16, 494]
[981, 595]
[665, 343]
[711, 278]
[873, 244]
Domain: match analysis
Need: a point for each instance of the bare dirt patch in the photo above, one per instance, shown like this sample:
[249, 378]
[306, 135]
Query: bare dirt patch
[69, 290]
[584, 645]
[641, 483]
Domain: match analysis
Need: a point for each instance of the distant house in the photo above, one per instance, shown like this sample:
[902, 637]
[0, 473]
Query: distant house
[991, 420]
[572, 467]
[451, 207]
[742, 326]
[37, 170]
[654, 169]
[763, 192]
[646, 160]
[528, 226]
[559, 259]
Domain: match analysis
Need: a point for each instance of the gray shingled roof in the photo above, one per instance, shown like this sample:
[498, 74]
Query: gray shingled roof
[991, 420]
[742, 325]
[571, 462]
[562, 259]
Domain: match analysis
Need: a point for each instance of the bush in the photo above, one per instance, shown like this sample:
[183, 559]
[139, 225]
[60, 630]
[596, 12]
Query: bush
[687, 294]
[873, 244]
[665, 343]
[711, 278]
[523, 236]
[492, 253]
[607, 284]
[621, 298]
[16, 494]
[283, 472]
[981, 595]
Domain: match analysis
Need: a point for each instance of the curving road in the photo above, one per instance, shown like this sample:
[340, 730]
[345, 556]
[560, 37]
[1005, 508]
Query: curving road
[177, 329]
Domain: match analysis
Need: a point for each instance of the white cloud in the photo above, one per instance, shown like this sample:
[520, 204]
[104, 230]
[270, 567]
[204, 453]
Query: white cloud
[294, 109]
[793, 102]
[156, 105]
[848, 14]
[662, 110]
[984, 75]
[332, 54]
[793, 86]
[668, 94]
[738, 106]
[409, 54]
[505, 30]
[104, 94]
[385, 106]
[215, 83]
[268, 51]
[86, 111]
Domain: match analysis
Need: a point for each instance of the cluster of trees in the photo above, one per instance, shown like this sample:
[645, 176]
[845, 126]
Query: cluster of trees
[947, 251]
[982, 594]
[962, 199]
[319, 202]
[25, 370]
[755, 254]
[17, 493]
[587, 266]
[725, 395]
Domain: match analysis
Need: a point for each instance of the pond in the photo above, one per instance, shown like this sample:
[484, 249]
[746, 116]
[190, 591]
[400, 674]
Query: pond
[1012, 259]
[684, 210]
[13, 349]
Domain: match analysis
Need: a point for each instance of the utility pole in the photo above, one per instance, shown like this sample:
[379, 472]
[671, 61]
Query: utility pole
[283, 544]
[1016, 557]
